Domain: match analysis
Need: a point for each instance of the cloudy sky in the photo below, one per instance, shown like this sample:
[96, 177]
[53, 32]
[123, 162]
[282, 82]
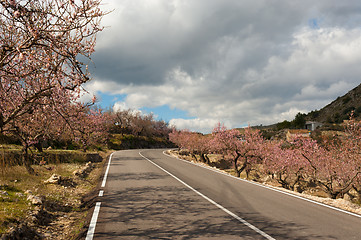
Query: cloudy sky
[196, 62]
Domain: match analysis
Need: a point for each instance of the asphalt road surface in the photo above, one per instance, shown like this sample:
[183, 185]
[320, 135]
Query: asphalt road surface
[149, 195]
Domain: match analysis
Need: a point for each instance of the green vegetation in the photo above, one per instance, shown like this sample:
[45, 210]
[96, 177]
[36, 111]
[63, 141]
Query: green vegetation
[298, 122]
[14, 206]
[129, 141]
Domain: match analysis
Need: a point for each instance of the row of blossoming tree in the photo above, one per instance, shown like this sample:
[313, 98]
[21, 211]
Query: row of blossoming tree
[333, 164]
[44, 48]
[138, 124]
[42, 43]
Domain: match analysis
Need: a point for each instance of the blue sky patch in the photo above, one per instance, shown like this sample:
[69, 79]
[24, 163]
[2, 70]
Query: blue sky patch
[166, 113]
[107, 101]
[314, 23]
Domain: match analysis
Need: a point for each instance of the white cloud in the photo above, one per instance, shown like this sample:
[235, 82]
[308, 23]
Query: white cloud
[230, 61]
[199, 125]
[120, 106]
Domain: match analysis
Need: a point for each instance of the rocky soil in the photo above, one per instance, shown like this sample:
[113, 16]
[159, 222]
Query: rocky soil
[60, 208]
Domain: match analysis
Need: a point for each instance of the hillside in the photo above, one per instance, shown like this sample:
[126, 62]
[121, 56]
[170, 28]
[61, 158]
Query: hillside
[330, 115]
[340, 109]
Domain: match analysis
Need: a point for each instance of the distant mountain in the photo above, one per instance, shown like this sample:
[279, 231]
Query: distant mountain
[340, 109]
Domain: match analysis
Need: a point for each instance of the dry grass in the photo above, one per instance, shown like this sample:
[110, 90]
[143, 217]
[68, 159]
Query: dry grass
[62, 202]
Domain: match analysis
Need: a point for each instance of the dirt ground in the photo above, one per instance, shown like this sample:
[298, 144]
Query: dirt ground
[55, 203]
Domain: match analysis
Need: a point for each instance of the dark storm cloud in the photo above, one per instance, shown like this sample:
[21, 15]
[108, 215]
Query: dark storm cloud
[235, 61]
[142, 47]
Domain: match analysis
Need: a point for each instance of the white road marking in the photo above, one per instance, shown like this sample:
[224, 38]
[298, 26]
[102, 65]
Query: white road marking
[94, 219]
[93, 222]
[268, 187]
[213, 202]
[107, 171]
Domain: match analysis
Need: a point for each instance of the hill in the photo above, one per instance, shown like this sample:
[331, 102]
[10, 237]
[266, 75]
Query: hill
[330, 116]
[340, 109]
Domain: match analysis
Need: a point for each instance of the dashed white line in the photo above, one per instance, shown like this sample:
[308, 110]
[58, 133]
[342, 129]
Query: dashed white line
[107, 171]
[93, 222]
[213, 202]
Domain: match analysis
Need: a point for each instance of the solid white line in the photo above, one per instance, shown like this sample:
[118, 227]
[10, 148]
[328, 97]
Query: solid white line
[268, 187]
[106, 171]
[213, 202]
[101, 192]
[93, 222]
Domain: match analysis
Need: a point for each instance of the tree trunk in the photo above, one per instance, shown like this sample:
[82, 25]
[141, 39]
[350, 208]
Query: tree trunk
[238, 173]
[283, 181]
[357, 188]
[207, 159]
[201, 157]
[39, 146]
[244, 165]
[26, 160]
[248, 171]
[204, 158]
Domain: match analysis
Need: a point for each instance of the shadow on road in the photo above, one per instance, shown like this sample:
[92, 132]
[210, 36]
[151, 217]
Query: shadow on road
[157, 207]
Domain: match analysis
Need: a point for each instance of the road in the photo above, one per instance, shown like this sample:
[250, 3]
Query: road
[149, 195]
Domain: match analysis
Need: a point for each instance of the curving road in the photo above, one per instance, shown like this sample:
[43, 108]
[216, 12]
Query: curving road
[149, 195]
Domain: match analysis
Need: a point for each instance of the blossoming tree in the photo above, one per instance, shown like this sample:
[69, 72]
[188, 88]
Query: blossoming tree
[242, 149]
[42, 43]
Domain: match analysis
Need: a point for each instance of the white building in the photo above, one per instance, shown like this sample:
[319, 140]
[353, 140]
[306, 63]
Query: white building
[310, 125]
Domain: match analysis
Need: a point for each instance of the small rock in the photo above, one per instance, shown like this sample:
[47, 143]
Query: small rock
[28, 192]
[4, 198]
[89, 164]
[22, 231]
[35, 200]
[84, 171]
[298, 188]
[54, 179]
[47, 234]
[347, 197]
[353, 192]
[4, 193]
[19, 194]
[33, 218]
[37, 209]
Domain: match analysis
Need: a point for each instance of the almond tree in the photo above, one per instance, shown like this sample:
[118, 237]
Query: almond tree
[186, 139]
[85, 125]
[203, 147]
[195, 143]
[353, 128]
[41, 45]
[243, 150]
[134, 122]
[335, 165]
[357, 187]
[60, 120]
[285, 164]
